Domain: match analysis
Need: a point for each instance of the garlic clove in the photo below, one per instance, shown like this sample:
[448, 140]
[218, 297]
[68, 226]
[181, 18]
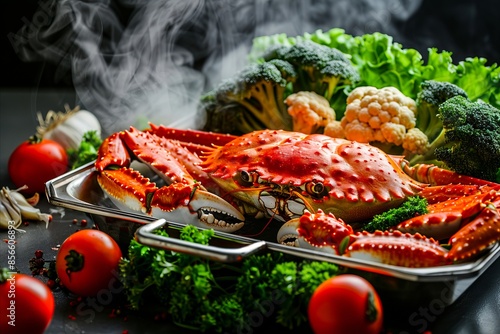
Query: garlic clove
[10, 214]
[17, 207]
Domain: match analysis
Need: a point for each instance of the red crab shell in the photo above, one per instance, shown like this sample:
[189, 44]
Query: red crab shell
[361, 179]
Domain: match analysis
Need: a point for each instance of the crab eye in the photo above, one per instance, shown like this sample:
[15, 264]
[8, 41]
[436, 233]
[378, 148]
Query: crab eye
[247, 179]
[316, 189]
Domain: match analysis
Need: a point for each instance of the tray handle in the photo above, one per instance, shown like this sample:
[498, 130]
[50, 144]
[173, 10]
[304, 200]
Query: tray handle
[145, 236]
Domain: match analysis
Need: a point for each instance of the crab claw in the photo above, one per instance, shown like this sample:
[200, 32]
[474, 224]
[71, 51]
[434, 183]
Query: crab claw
[316, 231]
[128, 189]
[196, 207]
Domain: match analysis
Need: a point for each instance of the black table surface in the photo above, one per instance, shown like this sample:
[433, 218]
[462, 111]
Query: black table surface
[477, 310]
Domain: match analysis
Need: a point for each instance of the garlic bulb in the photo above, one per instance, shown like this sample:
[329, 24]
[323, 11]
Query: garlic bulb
[67, 128]
[14, 208]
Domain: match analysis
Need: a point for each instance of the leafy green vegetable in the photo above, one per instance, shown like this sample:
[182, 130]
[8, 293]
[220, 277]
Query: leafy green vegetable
[206, 295]
[479, 80]
[413, 206]
[87, 151]
[383, 62]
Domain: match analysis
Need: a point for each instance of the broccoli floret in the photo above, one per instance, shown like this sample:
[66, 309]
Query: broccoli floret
[252, 100]
[432, 94]
[321, 69]
[470, 137]
[413, 206]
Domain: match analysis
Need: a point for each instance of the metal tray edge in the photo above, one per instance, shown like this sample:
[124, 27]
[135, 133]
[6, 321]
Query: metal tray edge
[57, 194]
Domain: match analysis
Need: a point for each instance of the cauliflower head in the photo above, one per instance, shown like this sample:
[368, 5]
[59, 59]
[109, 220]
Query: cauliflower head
[383, 115]
[309, 111]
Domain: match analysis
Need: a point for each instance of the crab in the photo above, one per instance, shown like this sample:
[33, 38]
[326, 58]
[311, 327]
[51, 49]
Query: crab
[214, 180]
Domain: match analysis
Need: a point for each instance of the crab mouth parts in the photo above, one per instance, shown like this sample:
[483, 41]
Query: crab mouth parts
[219, 219]
[282, 205]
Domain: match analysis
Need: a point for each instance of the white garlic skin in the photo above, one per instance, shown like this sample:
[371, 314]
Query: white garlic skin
[70, 132]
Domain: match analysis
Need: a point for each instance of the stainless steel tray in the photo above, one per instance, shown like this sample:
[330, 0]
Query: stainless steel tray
[78, 190]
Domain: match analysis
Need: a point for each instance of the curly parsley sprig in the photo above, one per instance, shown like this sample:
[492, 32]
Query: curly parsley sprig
[206, 295]
[413, 206]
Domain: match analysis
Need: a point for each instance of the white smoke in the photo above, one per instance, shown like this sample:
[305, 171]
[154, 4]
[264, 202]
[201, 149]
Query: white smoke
[137, 61]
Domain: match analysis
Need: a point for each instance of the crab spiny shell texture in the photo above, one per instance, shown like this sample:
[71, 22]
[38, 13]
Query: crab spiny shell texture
[352, 172]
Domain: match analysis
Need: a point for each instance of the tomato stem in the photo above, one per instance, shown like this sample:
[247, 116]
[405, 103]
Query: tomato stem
[74, 262]
[35, 139]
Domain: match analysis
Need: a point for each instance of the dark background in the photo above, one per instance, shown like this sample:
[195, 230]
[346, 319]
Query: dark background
[467, 28]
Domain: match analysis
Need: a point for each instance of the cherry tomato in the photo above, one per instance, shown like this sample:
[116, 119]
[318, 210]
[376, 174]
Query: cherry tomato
[26, 304]
[35, 162]
[87, 262]
[345, 304]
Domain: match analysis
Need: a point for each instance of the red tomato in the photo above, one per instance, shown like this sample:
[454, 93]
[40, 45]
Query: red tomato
[87, 262]
[35, 162]
[345, 304]
[26, 305]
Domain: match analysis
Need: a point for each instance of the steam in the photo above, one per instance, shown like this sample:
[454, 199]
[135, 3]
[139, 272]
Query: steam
[137, 61]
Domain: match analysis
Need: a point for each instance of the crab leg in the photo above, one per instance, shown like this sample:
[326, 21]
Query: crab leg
[439, 225]
[477, 235]
[435, 175]
[399, 249]
[326, 233]
[199, 142]
[448, 215]
[160, 157]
